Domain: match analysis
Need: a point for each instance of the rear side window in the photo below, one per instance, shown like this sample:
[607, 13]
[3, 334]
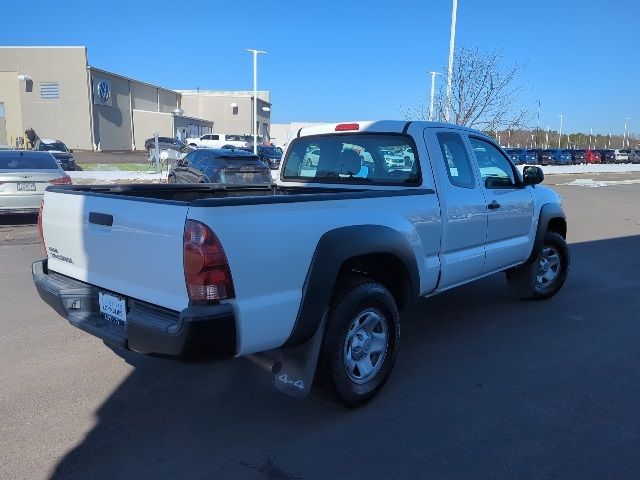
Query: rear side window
[456, 159]
[27, 161]
[371, 159]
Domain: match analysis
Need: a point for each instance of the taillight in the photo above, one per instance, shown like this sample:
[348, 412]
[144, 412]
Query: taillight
[206, 270]
[40, 231]
[63, 180]
[344, 127]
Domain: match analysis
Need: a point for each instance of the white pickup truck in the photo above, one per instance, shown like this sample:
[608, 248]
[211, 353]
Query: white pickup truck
[219, 140]
[306, 278]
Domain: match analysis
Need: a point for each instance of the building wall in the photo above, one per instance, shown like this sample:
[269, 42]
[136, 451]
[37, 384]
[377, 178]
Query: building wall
[64, 118]
[148, 122]
[282, 133]
[145, 97]
[116, 126]
[227, 119]
[10, 96]
[112, 123]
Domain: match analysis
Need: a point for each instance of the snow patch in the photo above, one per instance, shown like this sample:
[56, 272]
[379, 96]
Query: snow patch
[590, 182]
[589, 168]
[115, 176]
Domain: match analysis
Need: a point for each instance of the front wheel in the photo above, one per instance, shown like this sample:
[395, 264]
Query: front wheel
[544, 277]
[360, 343]
[552, 266]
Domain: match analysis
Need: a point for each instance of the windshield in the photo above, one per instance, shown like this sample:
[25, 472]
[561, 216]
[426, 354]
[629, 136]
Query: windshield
[55, 146]
[12, 160]
[383, 159]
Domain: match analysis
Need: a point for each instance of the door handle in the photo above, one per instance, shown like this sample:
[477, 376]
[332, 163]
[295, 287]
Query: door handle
[101, 219]
[493, 205]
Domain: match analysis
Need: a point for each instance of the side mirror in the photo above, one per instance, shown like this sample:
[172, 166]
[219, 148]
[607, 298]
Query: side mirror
[532, 175]
[70, 151]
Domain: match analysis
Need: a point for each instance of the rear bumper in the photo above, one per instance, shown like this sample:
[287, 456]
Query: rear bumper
[20, 203]
[197, 331]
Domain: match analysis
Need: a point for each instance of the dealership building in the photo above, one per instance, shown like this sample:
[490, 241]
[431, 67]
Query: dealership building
[54, 91]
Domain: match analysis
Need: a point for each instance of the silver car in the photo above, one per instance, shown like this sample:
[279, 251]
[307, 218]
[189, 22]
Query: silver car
[24, 175]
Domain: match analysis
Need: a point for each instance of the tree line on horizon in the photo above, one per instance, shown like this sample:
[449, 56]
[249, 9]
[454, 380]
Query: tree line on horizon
[485, 95]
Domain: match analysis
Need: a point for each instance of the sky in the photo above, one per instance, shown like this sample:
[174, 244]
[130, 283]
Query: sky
[354, 60]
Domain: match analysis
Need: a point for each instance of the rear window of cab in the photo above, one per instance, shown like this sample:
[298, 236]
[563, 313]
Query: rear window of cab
[366, 159]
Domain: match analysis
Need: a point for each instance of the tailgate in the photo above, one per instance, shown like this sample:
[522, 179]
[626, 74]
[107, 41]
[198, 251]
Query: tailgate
[129, 246]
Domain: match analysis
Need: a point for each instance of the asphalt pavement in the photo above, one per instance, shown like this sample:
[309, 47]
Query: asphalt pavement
[485, 387]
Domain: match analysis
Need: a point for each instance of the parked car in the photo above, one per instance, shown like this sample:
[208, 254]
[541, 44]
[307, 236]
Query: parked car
[164, 143]
[270, 156]
[545, 157]
[219, 140]
[621, 156]
[220, 166]
[562, 157]
[578, 156]
[393, 158]
[522, 156]
[24, 175]
[59, 150]
[607, 156]
[592, 156]
[306, 278]
[634, 156]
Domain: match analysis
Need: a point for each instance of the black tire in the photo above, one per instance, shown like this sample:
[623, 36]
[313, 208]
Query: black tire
[357, 300]
[528, 282]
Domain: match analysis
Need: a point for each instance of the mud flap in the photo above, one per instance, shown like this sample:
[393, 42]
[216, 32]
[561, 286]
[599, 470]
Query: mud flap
[299, 364]
[522, 280]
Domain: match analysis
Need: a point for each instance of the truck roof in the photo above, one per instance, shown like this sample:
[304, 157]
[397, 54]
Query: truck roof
[393, 126]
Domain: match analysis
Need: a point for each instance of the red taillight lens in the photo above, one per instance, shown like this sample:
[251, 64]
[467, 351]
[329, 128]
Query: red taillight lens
[206, 270]
[40, 231]
[344, 127]
[64, 180]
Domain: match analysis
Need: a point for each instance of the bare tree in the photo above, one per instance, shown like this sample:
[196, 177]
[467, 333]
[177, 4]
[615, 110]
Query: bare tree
[484, 94]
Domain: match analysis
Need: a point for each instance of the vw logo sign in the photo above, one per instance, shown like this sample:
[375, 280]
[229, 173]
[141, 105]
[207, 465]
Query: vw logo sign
[104, 94]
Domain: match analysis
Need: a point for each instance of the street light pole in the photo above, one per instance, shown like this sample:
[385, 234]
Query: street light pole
[546, 142]
[560, 134]
[254, 127]
[452, 43]
[538, 123]
[433, 89]
[624, 136]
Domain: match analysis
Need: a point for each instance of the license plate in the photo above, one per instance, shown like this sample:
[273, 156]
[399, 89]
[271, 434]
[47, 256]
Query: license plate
[113, 308]
[26, 187]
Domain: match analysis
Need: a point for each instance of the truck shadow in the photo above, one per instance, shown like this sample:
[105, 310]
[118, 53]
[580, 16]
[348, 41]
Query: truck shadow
[484, 387]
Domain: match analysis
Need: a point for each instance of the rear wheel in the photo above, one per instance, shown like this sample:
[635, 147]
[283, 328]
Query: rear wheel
[360, 344]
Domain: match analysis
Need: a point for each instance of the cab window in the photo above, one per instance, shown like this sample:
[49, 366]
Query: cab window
[496, 170]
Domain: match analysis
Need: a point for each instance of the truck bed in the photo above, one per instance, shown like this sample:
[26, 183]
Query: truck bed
[217, 195]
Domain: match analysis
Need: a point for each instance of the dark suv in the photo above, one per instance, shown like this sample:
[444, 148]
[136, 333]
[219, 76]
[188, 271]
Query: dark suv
[607, 156]
[164, 143]
[522, 156]
[221, 166]
[545, 157]
[271, 156]
[64, 156]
